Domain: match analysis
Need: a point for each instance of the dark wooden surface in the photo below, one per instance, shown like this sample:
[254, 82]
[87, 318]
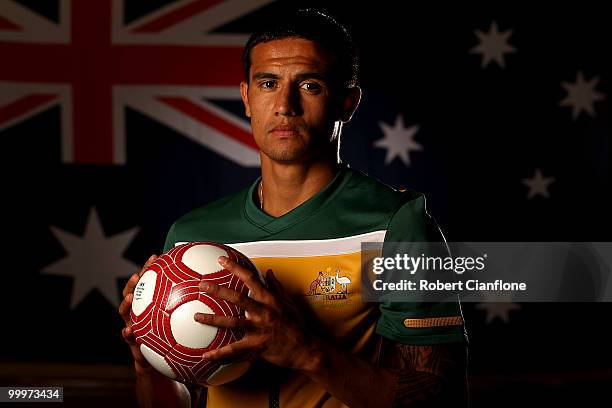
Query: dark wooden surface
[93, 386]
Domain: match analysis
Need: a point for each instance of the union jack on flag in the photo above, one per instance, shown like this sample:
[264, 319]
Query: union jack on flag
[168, 64]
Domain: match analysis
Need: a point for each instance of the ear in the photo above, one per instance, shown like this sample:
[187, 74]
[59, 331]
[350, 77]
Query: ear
[350, 103]
[244, 92]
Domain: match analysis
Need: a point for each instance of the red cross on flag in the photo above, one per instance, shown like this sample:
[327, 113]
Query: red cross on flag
[167, 64]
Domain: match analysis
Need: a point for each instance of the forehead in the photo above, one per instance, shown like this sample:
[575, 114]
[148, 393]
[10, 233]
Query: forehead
[289, 53]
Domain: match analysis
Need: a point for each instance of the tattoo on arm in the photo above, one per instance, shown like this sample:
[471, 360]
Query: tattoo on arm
[427, 376]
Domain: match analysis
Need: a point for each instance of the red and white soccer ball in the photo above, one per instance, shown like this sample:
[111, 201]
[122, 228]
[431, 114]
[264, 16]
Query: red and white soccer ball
[165, 300]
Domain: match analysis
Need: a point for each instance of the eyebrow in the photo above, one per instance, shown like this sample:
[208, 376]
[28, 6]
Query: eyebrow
[299, 77]
[264, 75]
[311, 75]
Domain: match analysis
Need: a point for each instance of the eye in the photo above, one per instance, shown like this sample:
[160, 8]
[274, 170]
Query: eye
[312, 87]
[267, 84]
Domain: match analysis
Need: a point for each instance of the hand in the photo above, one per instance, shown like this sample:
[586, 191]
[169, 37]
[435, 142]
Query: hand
[273, 329]
[141, 363]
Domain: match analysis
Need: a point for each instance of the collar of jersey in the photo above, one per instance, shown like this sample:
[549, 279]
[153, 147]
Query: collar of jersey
[302, 211]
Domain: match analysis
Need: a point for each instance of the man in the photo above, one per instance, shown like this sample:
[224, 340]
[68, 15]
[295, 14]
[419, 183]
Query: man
[313, 344]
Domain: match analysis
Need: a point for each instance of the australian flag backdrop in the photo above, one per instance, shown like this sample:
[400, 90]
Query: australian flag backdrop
[119, 116]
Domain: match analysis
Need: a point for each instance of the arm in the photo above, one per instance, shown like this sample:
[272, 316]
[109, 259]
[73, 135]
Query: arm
[273, 331]
[427, 375]
[407, 375]
[153, 389]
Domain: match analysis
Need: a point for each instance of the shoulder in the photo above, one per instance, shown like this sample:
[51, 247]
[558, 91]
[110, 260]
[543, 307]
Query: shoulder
[404, 210]
[219, 209]
[370, 192]
[362, 181]
[209, 222]
[365, 183]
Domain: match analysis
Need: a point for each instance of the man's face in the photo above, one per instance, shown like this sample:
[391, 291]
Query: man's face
[289, 99]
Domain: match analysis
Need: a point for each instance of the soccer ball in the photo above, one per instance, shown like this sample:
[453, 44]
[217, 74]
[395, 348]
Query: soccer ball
[167, 297]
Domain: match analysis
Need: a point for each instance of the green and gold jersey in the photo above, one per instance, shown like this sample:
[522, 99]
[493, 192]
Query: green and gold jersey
[314, 250]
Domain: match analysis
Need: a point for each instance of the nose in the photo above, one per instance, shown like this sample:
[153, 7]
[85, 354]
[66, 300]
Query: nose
[288, 101]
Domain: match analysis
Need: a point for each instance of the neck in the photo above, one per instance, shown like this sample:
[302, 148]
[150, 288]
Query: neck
[286, 186]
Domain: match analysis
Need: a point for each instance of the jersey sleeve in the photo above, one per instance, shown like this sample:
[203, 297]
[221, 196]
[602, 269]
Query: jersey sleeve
[418, 322]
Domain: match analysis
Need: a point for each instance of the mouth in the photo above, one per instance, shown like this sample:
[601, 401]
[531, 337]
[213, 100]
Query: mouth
[284, 130]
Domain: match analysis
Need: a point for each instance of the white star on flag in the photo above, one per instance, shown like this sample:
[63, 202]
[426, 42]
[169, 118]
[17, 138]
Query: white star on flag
[94, 261]
[498, 307]
[538, 184]
[581, 95]
[398, 140]
[493, 45]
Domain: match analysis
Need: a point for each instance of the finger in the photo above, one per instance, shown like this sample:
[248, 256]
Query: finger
[276, 281]
[271, 281]
[247, 276]
[151, 259]
[131, 284]
[275, 289]
[125, 306]
[232, 296]
[227, 322]
[129, 338]
[128, 335]
[230, 352]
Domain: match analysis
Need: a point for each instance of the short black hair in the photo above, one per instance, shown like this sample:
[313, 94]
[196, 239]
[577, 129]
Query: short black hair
[315, 25]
